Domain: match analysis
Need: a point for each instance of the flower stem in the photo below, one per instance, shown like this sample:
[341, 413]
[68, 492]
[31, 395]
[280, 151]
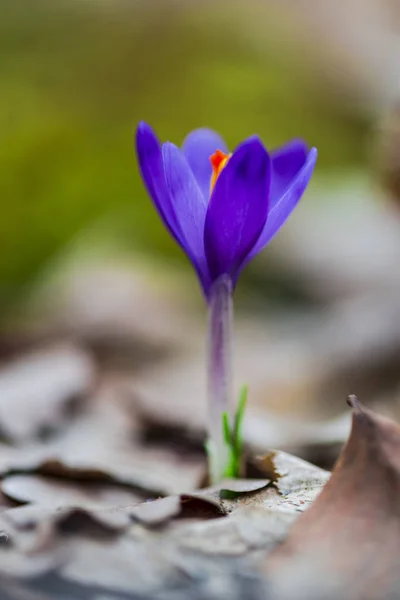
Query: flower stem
[219, 375]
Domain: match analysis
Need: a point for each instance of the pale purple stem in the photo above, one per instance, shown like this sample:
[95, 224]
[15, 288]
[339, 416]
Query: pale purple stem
[219, 373]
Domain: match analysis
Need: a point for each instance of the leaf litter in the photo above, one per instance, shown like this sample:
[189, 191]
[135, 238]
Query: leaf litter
[350, 536]
[97, 501]
[345, 545]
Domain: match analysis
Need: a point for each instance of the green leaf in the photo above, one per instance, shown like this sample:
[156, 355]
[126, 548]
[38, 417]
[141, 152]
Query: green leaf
[233, 436]
[226, 426]
[238, 425]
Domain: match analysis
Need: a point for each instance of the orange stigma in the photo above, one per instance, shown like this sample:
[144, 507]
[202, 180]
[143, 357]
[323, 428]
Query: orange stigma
[218, 162]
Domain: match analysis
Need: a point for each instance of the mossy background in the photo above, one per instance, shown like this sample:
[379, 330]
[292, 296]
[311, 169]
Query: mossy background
[76, 77]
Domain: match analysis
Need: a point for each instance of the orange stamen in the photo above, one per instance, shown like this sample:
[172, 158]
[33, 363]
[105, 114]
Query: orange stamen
[218, 162]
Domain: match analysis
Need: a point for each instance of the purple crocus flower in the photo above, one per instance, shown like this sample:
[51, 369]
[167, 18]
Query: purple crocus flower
[221, 208]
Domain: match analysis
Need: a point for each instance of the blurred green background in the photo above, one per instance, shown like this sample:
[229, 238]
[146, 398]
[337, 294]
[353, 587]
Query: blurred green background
[77, 76]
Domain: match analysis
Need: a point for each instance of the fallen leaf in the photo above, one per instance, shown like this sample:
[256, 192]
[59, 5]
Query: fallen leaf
[54, 492]
[154, 513]
[218, 537]
[297, 482]
[36, 389]
[348, 543]
[242, 486]
[262, 527]
[157, 511]
[33, 526]
[248, 528]
[126, 564]
[198, 507]
[234, 486]
[104, 444]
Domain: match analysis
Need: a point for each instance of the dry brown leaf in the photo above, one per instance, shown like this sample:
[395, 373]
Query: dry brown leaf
[292, 486]
[259, 513]
[247, 529]
[199, 508]
[32, 527]
[238, 486]
[126, 564]
[174, 557]
[104, 444]
[297, 482]
[231, 487]
[263, 527]
[231, 493]
[34, 539]
[157, 512]
[348, 544]
[218, 537]
[36, 388]
[35, 527]
[154, 472]
[52, 492]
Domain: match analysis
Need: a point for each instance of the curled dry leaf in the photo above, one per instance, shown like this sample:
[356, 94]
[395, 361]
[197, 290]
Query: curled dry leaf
[35, 389]
[53, 492]
[241, 486]
[200, 508]
[152, 471]
[259, 511]
[157, 512]
[34, 538]
[232, 488]
[103, 445]
[32, 527]
[347, 545]
[230, 494]
[296, 481]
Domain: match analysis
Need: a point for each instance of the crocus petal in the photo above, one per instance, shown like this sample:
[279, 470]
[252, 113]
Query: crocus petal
[282, 206]
[238, 209]
[198, 146]
[189, 205]
[149, 154]
[286, 163]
